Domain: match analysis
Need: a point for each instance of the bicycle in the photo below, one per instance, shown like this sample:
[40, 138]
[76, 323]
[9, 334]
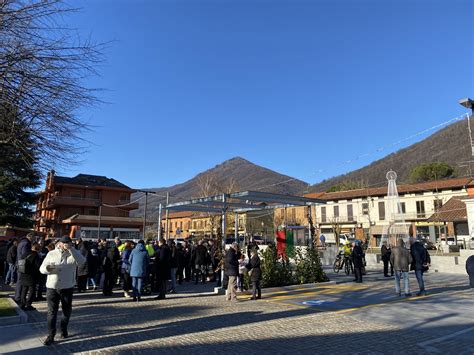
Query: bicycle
[342, 261]
[338, 263]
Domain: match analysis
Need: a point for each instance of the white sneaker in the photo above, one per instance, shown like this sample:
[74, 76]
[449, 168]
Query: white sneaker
[126, 295]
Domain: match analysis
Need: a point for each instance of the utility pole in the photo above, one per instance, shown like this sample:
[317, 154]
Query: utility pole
[167, 215]
[100, 217]
[160, 207]
[469, 104]
[144, 214]
[146, 207]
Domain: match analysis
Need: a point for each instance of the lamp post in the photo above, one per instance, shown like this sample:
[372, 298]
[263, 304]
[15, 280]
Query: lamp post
[469, 104]
[146, 207]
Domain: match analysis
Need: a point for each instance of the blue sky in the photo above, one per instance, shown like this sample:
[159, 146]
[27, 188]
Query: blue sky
[296, 86]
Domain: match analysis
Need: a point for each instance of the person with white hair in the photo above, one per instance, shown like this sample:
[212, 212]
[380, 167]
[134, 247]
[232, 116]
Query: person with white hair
[61, 266]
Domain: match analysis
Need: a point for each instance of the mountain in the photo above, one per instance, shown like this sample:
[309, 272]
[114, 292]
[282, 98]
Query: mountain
[244, 174]
[450, 145]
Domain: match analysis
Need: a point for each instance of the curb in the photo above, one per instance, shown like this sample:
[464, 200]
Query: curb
[20, 318]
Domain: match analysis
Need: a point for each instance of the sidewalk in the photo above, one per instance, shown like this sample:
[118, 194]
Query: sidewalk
[21, 339]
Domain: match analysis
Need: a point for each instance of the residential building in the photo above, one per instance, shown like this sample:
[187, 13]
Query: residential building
[80, 205]
[362, 212]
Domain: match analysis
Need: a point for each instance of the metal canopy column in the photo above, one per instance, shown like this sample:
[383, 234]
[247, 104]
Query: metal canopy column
[224, 222]
[236, 231]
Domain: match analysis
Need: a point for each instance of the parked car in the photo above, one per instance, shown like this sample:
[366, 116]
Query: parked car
[470, 243]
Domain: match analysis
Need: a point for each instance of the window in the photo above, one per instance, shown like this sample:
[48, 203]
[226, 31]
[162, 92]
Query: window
[93, 194]
[282, 214]
[293, 215]
[189, 225]
[194, 224]
[403, 208]
[350, 213]
[437, 204]
[336, 211]
[382, 210]
[323, 214]
[76, 194]
[92, 212]
[365, 208]
[124, 197]
[420, 209]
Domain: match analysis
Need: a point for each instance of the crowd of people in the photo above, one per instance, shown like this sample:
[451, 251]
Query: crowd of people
[36, 266]
[397, 261]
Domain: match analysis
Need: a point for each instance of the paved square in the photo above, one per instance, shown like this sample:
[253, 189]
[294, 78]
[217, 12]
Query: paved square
[330, 318]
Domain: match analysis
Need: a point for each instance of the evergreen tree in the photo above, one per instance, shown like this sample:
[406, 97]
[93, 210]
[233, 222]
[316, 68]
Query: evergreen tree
[432, 171]
[18, 171]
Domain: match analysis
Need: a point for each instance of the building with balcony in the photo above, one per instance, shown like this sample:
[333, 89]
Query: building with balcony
[81, 205]
[362, 212]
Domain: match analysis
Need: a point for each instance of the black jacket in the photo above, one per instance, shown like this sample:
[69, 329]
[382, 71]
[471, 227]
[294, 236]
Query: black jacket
[254, 265]
[200, 255]
[111, 259]
[11, 255]
[231, 266]
[23, 249]
[33, 263]
[92, 264]
[82, 270]
[162, 263]
[173, 258]
[419, 256]
[357, 256]
[386, 252]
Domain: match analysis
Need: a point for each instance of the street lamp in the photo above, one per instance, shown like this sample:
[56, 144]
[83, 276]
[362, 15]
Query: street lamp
[467, 103]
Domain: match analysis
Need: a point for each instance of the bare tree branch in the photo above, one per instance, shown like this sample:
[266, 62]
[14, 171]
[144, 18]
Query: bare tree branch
[42, 69]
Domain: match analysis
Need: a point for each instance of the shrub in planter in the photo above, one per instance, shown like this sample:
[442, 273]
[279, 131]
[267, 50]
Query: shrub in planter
[275, 271]
[308, 267]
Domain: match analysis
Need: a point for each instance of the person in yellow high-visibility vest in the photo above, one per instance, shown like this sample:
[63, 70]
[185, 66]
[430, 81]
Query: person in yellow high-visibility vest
[149, 248]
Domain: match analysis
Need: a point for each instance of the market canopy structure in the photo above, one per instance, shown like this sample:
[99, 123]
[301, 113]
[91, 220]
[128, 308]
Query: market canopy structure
[240, 202]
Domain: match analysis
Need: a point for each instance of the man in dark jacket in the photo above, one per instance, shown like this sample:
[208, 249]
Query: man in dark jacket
[110, 267]
[231, 269]
[357, 260]
[23, 249]
[419, 262]
[386, 251]
[82, 271]
[200, 262]
[470, 270]
[10, 278]
[163, 269]
[255, 274]
[30, 278]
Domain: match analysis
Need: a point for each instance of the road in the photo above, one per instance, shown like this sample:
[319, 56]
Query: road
[341, 317]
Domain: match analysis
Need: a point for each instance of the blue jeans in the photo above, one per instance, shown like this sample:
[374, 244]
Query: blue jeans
[11, 274]
[398, 275]
[91, 280]
[419, 278]
[137, 286]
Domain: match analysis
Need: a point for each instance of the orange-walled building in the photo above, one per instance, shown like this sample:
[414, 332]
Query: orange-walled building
[76, 206]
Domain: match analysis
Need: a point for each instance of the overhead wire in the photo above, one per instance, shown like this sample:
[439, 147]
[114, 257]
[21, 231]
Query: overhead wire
[378, 150]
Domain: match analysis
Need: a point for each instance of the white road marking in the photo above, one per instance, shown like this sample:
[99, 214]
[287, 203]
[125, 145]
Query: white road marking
[428, 345]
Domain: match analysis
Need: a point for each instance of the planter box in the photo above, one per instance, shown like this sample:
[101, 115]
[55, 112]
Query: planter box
[20, 318]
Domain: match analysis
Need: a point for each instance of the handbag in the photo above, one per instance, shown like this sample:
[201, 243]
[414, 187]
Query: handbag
[22, 266]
